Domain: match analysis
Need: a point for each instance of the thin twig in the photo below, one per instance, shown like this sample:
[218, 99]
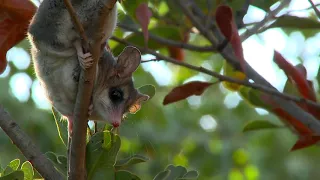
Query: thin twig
[241, 13]
[150, 60]
[270, 16]
[222, 77]
[27, 147]
[209, 16]
[169, 42]
[316, 10]
[201, 16]
[77, 22]
[305, 9]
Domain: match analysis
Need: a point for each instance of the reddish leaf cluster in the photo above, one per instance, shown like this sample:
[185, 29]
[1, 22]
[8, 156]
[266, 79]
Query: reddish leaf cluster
[297, 76]
[186, 90]
[15, 16]
[228, 28]
[143, 15]
[176, 53]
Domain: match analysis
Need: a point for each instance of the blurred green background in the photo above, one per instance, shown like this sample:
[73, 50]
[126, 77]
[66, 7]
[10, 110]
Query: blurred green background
[201, 133]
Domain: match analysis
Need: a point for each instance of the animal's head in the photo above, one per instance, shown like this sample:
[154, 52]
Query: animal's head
[117, 95]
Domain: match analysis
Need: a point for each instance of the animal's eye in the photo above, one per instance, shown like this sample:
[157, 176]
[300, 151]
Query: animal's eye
[116, 95]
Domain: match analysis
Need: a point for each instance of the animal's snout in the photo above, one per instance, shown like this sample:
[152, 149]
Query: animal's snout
[115, 124]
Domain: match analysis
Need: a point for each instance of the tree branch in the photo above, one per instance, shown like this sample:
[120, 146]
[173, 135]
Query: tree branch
[77, 144]
[241, 13]
[305, 9]
[288, 106]
[77, 156]
[270, 16]
[220, 77]
[169, 42]
[316, 10]
[27, 147]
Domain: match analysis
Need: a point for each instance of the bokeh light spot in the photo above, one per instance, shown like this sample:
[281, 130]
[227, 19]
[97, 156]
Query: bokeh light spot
[20, 84]
[208, 123]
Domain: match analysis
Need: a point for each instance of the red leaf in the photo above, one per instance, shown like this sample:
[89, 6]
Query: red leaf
[296, 76]
[313, 110]
[305, 141]
[176, 53]
[15, 16]
[301, 129]
[302, 69]
[17, 10]
[143, 14]
[3, 64]
[228, 28]
[305, 134]
[186, 90]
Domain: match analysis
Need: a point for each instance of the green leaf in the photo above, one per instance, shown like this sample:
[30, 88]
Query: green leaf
[59, 162]
[131, 6]
[62, 127]
[258, 125]
[14, 164]
[190, 175]
[102, 151]
[162, 175]
[290, 88]
[254, 97]
[228, 70]
[16, 175]
[176, 171]
[148, 89]
[7, 170]
[135, 159]
[318, 79]
[63, 160]
[125, 175]
[295, 22]
[27, 169]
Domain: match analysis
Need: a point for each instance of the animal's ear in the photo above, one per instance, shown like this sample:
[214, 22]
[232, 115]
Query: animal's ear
[128, 61]
[136, 106]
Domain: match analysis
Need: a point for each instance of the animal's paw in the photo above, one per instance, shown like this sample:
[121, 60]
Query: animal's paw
[85, 60]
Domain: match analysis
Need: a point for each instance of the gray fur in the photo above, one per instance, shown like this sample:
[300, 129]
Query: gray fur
[52, 36]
